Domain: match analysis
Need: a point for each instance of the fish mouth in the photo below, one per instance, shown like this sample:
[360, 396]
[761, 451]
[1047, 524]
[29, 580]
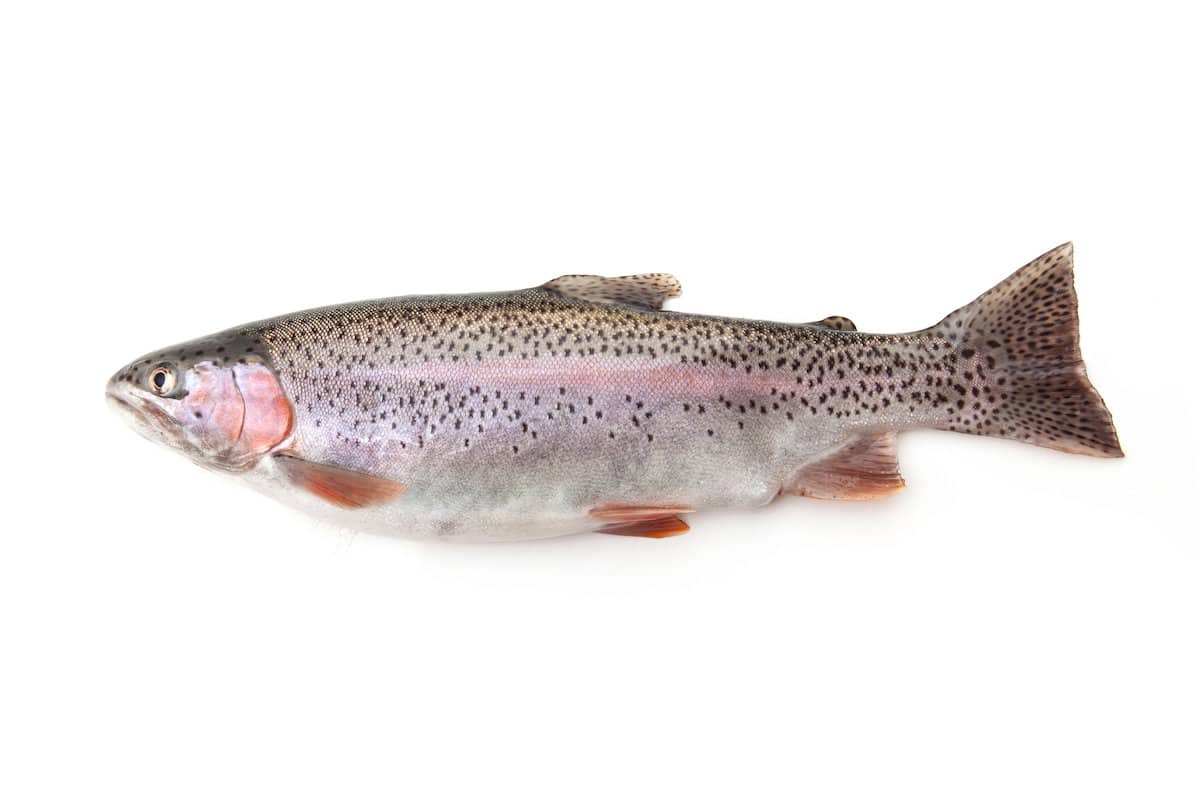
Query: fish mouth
[144, 416]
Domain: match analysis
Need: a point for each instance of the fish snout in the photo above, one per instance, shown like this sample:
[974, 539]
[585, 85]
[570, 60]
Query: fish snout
[140, 411]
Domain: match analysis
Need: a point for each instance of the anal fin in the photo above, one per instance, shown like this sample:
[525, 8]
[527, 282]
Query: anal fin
[865, 469]
[341, 487]
[653, 522]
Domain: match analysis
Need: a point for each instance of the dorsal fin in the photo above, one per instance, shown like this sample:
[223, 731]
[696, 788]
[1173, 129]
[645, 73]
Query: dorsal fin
[649, 291]
[836, 323]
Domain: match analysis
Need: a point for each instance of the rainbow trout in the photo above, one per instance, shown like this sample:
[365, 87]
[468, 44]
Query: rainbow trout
[582, 405]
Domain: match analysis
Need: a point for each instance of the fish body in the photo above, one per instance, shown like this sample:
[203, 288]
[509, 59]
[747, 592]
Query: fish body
[582, 405]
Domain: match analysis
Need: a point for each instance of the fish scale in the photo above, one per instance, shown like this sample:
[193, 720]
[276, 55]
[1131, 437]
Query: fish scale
[582, 405]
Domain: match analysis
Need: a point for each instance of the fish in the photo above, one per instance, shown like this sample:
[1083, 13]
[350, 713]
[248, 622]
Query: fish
[582, 405]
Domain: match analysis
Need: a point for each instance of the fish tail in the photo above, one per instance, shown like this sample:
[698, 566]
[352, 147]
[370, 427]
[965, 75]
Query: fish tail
[1021, 342]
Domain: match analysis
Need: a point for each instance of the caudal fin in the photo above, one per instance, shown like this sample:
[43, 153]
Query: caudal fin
[1021, 339]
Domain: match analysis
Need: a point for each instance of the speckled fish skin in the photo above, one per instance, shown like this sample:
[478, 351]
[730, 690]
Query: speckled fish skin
[580, 406]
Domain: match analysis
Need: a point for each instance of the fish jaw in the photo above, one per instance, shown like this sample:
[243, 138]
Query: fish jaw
[145, 413]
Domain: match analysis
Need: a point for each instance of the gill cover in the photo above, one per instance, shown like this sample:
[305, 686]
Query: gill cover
[234, 415]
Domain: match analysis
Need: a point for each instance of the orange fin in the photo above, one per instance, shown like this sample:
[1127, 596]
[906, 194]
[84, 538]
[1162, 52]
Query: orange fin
[653, 522]
[865, 469]
[342, 487]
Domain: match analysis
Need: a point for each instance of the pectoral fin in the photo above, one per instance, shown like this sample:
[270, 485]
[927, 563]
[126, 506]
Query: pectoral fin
[341, 487]
[865, 469]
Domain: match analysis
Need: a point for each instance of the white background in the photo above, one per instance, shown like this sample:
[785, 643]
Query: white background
[1018, 623]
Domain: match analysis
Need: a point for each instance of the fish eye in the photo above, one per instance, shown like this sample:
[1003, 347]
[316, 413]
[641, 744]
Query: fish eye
[161, 380]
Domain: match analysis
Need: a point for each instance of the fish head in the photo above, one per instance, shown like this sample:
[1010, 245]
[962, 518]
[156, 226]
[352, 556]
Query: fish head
[216, 401]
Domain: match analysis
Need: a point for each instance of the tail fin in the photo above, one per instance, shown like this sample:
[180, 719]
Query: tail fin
[1022, 340]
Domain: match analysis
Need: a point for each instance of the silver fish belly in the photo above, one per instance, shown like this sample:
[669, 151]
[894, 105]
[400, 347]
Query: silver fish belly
[581, 405]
